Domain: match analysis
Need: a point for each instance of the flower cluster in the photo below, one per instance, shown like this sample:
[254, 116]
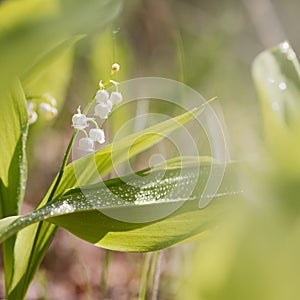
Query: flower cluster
[47, 108]
[81, 122]
[105, 102]
[103, 107]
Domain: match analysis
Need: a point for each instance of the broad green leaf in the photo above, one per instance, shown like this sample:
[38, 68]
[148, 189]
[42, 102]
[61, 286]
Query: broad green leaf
[148, 211]
[13, 168]
[14, 13]
[13, 132]
[277, 77]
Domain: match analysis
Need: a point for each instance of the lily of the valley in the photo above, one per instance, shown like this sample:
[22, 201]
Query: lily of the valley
[116, 98]
[32, 115]
[97, 135]
[104, 104]
[79, 120]
[47, 111]
[102, 109]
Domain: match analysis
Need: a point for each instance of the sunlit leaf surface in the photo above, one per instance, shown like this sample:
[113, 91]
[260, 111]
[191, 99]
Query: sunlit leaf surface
[148, 211]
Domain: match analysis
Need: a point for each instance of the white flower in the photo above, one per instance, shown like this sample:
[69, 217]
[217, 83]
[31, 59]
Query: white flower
[102, 96]
[116, 98]
[97, 135]
[86, 144]
[32, 115]
[79, 121]
[47, 111]
[102, 110]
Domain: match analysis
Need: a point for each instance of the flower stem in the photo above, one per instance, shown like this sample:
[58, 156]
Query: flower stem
[93, 121]
[104, 279]
[85, 133]
[144, 276]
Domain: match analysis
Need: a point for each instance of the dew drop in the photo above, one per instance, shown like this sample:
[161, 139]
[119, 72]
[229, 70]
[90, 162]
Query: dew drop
[282, 86]
[284, 47]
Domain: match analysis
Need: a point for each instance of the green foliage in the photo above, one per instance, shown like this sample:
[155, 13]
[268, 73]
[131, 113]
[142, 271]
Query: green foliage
[27, 31]
[88, 169]
[157, 207]
[37, 237]
[147, 211]
[51, 72]
[35, 36]
[277, 77]
[13, 132]
[13, 167]
[260, 241]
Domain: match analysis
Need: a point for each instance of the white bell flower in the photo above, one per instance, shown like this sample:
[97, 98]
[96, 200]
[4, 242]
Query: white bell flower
[97, 135]
[47, 111]
[102, 96]
[86, 144]
[102, 110]
[116, 98]
[32, 115]
[79, 121]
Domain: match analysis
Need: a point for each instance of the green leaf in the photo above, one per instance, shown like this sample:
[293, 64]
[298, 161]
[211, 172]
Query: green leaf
[13, 132]
[41, 64]
[5, 222]
[13, 167]
[50, 73]
[147, 211]
[277, 77]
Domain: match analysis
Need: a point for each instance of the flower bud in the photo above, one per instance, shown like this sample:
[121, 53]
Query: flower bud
[115, 68]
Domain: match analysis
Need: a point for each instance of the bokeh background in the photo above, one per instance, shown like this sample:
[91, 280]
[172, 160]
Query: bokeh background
[208, 45]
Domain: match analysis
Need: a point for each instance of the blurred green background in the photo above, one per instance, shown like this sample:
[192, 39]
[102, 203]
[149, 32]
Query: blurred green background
[208, 45]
